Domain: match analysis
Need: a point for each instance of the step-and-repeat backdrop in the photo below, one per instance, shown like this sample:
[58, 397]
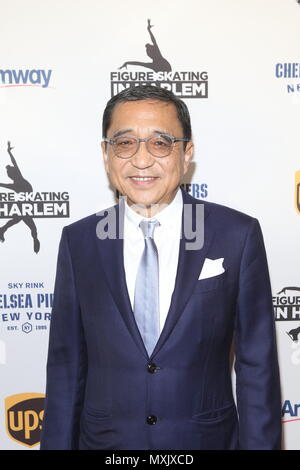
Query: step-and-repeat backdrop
[237, 66]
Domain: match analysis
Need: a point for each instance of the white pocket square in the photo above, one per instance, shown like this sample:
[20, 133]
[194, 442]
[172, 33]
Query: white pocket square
[211, 267]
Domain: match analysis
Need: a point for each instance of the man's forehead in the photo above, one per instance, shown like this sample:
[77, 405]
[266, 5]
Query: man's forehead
[129, 113]
[129, 106]
[144, 116]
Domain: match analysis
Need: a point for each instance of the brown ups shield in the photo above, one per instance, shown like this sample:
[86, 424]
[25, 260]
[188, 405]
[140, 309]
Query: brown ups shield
[24, 415]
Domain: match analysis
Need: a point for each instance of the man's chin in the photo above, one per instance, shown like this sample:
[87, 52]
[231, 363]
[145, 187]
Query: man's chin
[150, 203]
[140, 202]
[143, 206]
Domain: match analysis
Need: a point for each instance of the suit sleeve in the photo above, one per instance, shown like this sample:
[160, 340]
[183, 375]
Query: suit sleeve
[256, 365]
[66, 364]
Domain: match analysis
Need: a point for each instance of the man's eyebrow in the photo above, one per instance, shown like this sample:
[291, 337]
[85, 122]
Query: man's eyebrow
[124, 131]
[121, 132]
[160, 131]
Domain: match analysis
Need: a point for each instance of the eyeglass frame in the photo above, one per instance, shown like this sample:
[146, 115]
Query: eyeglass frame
[138, 140]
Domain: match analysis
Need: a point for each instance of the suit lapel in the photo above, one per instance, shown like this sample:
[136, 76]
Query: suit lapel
[190, 263]
[111, 253]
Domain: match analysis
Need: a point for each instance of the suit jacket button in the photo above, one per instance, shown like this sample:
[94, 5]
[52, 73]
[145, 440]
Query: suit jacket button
[152, 368]
[151, 419]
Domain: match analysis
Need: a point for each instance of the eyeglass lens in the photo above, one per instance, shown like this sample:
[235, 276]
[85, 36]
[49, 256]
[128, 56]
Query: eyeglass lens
[159, 146]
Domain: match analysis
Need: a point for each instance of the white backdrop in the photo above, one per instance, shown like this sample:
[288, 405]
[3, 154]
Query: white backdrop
[55, 78]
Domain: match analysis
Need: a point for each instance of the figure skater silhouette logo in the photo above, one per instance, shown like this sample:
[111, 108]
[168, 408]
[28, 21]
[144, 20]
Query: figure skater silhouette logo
[294, 334]
[19, 185]
[158, 71]
[159, 63]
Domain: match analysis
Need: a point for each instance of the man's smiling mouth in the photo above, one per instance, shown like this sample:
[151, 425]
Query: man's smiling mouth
[143, 178]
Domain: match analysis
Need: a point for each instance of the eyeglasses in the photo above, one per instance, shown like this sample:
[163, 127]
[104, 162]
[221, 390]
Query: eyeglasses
[159, 146]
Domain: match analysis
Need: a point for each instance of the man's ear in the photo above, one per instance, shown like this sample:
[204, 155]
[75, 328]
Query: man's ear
[188, 155]
[104, 148]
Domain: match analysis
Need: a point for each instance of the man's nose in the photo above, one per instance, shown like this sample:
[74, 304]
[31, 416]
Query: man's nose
[142, 158]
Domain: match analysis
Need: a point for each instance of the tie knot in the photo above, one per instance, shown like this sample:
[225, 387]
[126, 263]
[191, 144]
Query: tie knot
[148, 227]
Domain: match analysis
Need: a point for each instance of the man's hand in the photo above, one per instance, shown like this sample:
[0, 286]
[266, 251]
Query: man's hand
[9, 148]
[124, 66]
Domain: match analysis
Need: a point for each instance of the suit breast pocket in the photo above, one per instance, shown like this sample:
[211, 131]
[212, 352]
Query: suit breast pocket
[211, 283]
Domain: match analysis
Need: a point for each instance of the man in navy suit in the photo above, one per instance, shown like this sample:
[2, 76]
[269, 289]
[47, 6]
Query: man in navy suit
[142, 325]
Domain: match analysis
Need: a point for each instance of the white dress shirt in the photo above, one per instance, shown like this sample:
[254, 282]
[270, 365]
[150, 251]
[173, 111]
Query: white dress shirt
[166, 237]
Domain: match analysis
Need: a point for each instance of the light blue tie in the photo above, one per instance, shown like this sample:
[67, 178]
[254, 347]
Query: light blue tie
[146, 296]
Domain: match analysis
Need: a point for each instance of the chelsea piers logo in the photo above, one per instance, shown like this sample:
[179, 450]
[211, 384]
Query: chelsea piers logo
[289, 73]
[157, 71]
[24, 416]
[22, 204]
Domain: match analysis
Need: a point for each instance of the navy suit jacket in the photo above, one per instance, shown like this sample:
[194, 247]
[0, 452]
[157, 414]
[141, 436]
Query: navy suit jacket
[100, 387]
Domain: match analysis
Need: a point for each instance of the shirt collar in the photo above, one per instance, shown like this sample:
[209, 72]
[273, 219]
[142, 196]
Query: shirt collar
[167, 217]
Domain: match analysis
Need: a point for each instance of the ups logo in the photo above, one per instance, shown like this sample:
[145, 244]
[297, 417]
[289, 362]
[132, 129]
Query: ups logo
[24, 415]
[297, 191]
